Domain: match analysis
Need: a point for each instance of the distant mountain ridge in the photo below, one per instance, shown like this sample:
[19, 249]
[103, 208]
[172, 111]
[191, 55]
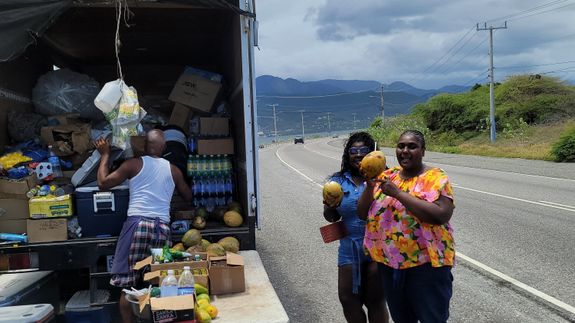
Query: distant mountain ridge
[332, 105]
[268, 85]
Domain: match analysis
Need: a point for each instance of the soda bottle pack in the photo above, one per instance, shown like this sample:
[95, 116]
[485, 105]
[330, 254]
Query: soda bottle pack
[212, 180]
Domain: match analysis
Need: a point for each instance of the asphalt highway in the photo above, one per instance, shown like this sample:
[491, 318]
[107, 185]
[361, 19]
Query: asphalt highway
[514, 230]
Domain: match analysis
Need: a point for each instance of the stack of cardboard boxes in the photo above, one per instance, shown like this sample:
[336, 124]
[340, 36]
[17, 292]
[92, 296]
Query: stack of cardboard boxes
[223, 275]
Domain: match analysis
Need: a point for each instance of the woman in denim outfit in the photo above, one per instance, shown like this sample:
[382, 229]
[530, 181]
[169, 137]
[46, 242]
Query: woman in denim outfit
[358, 281]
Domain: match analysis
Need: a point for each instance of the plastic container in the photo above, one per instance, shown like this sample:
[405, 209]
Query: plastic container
[169, 285]
[27, 313]
[55, 162]
[28, 288]
[79, 309]
[109, 96]
[102, 213]
[88, 172]
[186, 282]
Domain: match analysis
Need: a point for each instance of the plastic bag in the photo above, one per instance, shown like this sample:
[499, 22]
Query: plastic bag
[125, 118]
[65, 91]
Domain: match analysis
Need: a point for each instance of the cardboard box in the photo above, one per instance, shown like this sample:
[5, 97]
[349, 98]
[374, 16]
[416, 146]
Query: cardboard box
[170, 309]
[13, 226]
[181, 117]
[220, 146]
[18, 187]
[195, 92]
[215, 127]
[67, 139]
[49, 207]
[158, 271]
[14, 209]
[45, 230]
[227, 274]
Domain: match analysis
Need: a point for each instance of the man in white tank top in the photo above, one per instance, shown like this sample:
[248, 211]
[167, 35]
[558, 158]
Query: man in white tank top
[152, 180]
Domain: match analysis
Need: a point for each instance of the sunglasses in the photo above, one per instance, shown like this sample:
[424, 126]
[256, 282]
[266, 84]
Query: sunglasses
[363, 150]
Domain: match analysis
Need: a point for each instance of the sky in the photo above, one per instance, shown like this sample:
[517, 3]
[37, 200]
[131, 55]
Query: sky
[426, 43]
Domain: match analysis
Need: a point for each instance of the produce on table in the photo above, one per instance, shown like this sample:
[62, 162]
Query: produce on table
[191, 238]
[230, 244]
[215, 250]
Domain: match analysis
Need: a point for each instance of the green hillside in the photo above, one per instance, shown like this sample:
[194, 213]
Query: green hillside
[535, 119]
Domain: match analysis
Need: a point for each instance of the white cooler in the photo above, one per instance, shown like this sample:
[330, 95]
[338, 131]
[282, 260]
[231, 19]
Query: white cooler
[27, 313]
[28, 288]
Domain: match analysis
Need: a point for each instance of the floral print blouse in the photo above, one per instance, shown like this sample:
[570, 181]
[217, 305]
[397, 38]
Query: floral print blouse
[395, 237]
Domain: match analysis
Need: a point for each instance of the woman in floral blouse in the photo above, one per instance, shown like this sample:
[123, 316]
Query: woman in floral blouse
[407, 209]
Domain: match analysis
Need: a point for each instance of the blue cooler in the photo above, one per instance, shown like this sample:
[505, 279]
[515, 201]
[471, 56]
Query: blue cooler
[79, 309]
[28, 288]
[102, 213]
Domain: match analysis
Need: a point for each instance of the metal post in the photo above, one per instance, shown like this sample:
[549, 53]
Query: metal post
[275, 122]
[328, 124]
[382, 111]
[353, 121]
[493, 132]
[302, 126]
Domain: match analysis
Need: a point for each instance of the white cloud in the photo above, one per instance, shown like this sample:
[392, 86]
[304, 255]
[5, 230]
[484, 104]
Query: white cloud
[397, 40]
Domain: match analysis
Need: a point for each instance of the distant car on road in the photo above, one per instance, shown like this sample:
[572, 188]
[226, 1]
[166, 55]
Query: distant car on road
[297, 140]
[335, 136]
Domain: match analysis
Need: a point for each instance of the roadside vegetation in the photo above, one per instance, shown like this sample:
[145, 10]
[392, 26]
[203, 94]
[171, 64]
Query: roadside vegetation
[535, 119]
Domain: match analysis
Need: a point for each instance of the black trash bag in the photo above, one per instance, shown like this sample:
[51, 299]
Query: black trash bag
[24, 126]
[65, 91]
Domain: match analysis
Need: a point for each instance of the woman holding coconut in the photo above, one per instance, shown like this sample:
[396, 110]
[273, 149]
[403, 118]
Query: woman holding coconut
[358, 279]
[407, 209]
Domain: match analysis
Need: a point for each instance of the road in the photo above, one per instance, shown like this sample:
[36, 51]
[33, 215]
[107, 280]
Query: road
[514, 229]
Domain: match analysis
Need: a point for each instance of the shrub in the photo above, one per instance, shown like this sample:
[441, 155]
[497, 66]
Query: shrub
[564, 149]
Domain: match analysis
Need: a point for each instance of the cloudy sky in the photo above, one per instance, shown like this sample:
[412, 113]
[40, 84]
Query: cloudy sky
[427, 43]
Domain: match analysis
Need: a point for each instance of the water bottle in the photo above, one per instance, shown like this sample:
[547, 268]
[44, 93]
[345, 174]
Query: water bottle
[169, 285]
[186, 282]
[55, 162]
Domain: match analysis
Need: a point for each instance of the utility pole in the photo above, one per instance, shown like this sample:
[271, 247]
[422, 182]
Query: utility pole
[328, 124]
[302, 127]
[382, 111]
[493, 134]
[275, 122]
[354, 121]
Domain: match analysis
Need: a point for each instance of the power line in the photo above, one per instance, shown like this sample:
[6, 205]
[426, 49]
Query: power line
[542, 6]
[542, 12]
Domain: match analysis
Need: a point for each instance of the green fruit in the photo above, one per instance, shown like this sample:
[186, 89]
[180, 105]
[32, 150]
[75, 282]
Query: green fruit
[215, 250]
[191, 238]
[200, 289]
[203, 296]
[235, 206]
[230, 244]
[199, 223]
[233, 219]
[202, 212]
[155, 292]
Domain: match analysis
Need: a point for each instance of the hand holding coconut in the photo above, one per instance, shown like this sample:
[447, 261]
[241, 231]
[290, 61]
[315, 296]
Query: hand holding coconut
[332, 194]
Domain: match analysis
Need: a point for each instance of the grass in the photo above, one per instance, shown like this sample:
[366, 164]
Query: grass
[533, 144]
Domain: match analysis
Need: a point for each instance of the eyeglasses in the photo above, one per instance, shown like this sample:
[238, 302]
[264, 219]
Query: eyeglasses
[363, 150]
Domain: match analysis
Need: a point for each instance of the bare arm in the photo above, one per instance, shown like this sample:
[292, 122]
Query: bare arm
[437, 212]
[107, 180]
[181, 184]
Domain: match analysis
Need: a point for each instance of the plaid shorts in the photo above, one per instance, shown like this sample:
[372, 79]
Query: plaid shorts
[144, 238]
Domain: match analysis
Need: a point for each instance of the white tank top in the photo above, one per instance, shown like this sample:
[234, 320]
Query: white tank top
[151, 189]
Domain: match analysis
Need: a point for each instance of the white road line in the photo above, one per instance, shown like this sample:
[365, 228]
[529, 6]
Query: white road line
[519, 284]
[515, 198]
[476, 263]
[563, 205]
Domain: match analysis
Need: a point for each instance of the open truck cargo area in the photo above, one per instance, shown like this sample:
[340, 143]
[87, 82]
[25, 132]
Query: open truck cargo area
[158, 42]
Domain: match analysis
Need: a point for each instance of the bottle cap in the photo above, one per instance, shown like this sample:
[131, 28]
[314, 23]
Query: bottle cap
[186, 267]
[170, 271]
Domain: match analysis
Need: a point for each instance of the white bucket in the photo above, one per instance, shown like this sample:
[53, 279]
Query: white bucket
[109, 96]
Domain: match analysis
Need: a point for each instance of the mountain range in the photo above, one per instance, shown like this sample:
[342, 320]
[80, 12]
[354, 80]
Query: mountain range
[333, 105]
